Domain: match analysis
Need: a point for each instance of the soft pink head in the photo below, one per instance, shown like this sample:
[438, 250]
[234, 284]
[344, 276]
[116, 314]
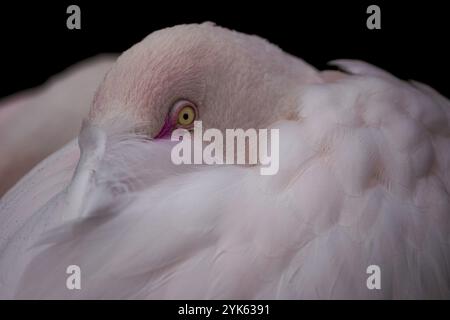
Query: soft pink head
[200, 72]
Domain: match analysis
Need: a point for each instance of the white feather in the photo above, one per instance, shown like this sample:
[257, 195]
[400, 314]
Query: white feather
[364, 179]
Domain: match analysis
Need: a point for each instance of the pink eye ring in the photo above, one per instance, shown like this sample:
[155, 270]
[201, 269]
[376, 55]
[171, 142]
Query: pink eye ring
[183, 114]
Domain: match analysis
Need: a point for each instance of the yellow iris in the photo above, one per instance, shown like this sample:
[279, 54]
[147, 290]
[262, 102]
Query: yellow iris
[186, 116]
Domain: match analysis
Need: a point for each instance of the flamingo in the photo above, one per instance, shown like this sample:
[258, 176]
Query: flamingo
[363, 180]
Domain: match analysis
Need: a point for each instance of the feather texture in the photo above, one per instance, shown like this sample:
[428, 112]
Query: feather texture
[38, 122]
[364, 179]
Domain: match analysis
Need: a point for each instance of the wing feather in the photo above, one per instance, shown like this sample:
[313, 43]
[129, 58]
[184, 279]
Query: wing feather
[363, 181]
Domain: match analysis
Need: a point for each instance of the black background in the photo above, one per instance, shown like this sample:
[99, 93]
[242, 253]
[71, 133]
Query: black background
[412, 44]
[287, 309]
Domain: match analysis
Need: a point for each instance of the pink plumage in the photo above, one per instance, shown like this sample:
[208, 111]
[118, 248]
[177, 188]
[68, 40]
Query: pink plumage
[364, 180]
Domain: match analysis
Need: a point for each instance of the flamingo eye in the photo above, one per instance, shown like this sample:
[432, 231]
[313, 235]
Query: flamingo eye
[184, 113]
[186, 116]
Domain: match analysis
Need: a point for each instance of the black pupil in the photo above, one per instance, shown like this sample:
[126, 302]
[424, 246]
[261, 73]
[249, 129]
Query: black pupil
[185, 116]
